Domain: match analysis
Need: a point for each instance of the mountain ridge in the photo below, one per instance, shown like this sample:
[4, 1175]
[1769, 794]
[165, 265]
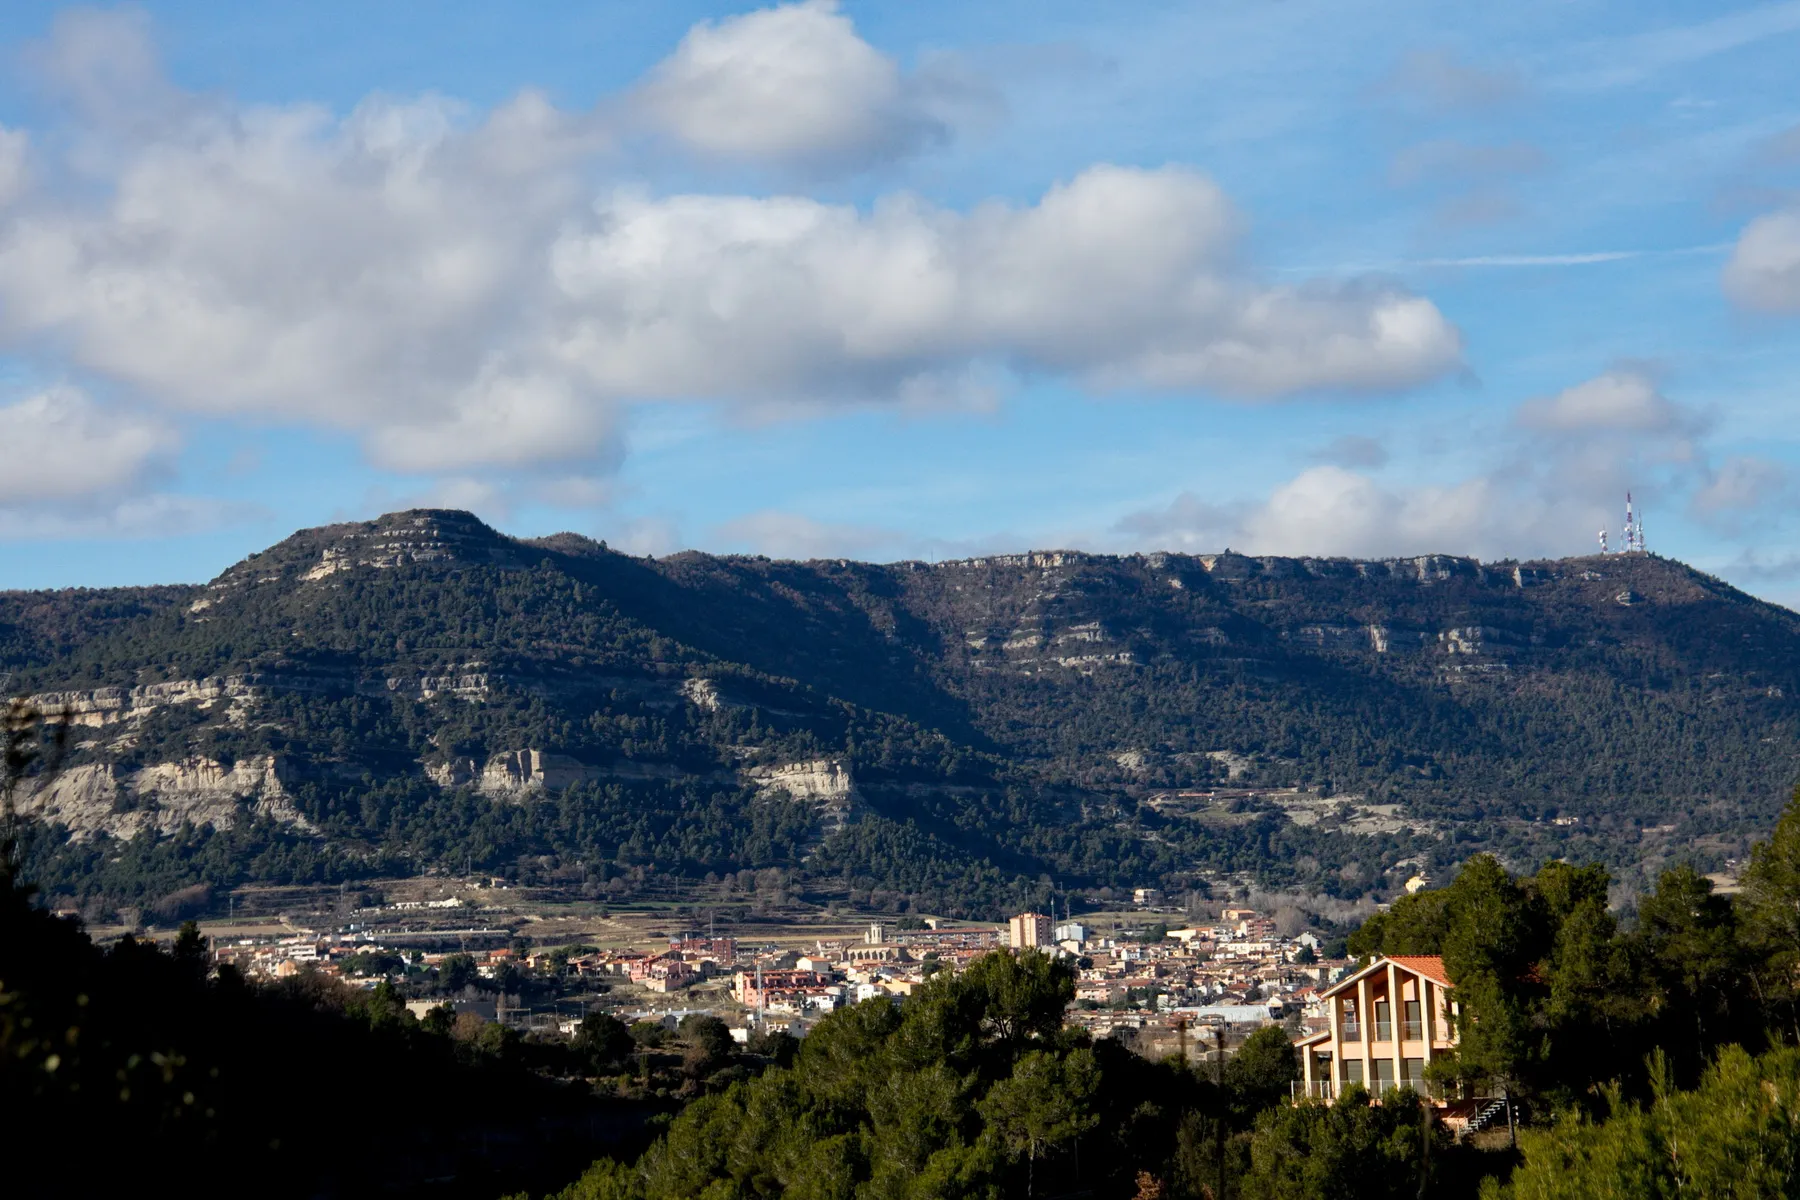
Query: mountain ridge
[354, 689]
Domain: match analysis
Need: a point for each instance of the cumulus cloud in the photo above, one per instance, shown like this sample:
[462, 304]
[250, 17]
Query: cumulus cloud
[1739, 488]
[1330, 510]
[794, 86]
[58, 445]
[1622, 399]
[495, 497]
[151, 515]
[381, 274]
[1557, 475]
[1122, 277]
[644, 535]
[104, 64]
[70, 467]
[1763, 273]
[447, 287]
[573, 491]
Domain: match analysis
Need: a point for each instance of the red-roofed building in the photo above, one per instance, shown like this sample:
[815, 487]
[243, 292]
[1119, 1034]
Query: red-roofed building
[1385, 1023]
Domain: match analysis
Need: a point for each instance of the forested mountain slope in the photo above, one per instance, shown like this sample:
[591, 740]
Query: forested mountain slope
[420, 692]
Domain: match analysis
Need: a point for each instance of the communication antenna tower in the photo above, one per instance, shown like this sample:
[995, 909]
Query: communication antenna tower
[1634, 529]
[1603, 546]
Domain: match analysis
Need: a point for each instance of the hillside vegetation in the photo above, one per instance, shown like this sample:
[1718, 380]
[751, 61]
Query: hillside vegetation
[421, 692]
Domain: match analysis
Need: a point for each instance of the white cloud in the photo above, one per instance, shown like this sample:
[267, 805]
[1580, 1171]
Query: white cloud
[152, 515]
[445, 287]
[475, 495]
[1186, 523]
[382, 274]
[1121, 277]
[495, 497]
[59, 446]
[644, 535]
[1559, 475]
[1620, 400]
[1331, 506]
[792, 85]
[1763, 273]
[72, 468]
[103, 62]
[1555, 471]
[1332, 511]
[573, 491]
[1740, 488]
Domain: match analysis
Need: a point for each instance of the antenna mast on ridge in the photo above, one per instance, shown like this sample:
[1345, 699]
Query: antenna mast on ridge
[1632, 536]
[1634, 528]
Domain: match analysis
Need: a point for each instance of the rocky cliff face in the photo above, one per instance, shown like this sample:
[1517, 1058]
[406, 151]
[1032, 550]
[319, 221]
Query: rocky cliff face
[824, 783]
[202, 792]
[426, 651]
[426, 537]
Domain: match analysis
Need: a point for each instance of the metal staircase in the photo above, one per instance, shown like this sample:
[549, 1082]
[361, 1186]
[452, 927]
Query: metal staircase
[1486, 1115]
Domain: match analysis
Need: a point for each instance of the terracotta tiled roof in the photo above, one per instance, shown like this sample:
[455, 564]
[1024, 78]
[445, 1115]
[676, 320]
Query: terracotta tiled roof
[1429, 965]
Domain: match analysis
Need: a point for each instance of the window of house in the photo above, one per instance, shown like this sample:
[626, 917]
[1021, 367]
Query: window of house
[1413, 1028]
[1352, 1070]
[1384, 1074]
[1415, 1073]
[1384, 1021]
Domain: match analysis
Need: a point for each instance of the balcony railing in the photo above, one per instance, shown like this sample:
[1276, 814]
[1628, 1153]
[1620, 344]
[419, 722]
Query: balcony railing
[1352, 1031]
[1384, 1031]
[1412, 1031]
[1328, 1089]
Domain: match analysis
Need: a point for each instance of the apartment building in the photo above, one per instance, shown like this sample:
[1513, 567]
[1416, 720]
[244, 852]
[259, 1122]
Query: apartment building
[1029, 929]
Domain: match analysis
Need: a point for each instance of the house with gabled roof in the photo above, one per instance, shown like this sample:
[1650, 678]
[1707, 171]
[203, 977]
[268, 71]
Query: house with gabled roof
[1385, 1023]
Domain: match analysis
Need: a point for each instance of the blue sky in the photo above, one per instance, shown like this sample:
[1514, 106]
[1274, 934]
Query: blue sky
[888, 281]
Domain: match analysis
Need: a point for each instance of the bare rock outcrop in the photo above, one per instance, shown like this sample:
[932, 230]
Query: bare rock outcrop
[104, 798]
[101, 707]
[822, 779]
[703, 694]
[825, 782]
[513, 773]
